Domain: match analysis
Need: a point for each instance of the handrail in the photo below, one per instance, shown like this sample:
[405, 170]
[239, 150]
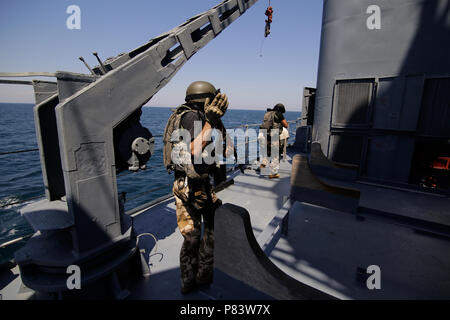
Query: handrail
[149, 167]
[258, 124]
[9, 243]
[157, 136]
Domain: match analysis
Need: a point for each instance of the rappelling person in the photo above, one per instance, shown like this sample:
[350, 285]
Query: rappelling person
[269, 14]
[194, 197]
[269, 139]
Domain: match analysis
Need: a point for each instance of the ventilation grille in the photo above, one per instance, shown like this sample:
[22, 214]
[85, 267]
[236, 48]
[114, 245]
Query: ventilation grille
[352, 100]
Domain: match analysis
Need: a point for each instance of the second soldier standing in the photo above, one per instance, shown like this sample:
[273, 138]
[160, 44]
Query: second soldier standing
[273, 120]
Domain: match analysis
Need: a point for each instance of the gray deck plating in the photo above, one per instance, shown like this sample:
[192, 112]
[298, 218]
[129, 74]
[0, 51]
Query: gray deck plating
[406, 203]
[413, 266]
[255, 192]
[262, 197]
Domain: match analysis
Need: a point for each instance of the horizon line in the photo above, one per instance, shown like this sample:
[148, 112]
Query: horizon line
[146, 106]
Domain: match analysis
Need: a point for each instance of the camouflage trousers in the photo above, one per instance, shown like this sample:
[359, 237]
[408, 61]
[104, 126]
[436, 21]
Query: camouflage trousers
[267, 158]
[196, 200]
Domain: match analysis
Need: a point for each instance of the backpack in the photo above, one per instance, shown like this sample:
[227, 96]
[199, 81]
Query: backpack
[173, 124]
[269, 121]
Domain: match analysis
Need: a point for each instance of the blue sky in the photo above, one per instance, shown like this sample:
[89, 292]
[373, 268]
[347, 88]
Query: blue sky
[34, 37]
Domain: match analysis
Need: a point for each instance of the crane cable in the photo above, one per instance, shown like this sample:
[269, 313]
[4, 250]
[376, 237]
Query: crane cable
[261, 49]
[267, 27]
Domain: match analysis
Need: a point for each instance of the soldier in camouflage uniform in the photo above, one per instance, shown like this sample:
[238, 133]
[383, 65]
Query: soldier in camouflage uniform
[193, 192]
[197, 253]
[273, 119]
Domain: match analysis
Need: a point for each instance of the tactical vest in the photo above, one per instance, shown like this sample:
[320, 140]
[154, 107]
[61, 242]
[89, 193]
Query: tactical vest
[269, 121]
[173, 124]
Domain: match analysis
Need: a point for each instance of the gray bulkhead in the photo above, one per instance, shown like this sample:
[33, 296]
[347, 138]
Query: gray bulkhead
[383, 86]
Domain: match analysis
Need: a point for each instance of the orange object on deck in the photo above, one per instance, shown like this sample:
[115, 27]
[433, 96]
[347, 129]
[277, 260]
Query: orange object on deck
[441, 163]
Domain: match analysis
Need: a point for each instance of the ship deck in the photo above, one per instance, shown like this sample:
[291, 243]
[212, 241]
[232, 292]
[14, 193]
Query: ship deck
[260, 196]
[323, 248]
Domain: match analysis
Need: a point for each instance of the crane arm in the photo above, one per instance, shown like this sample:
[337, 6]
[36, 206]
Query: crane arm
[84, 111]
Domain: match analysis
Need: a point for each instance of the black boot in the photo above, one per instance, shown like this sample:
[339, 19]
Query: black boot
[188, 287]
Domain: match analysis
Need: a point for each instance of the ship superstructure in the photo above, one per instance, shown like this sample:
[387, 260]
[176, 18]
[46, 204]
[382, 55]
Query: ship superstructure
[362, 207]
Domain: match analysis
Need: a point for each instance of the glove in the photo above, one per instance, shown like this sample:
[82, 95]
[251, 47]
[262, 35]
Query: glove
[216, 109]
[181, 190]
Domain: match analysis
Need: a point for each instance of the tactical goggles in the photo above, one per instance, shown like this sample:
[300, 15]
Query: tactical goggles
[209, 95]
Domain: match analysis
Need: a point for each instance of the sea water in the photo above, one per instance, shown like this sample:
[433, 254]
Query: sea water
[21, 176]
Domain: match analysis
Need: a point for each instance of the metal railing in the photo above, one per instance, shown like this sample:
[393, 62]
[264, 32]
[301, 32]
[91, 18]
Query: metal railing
[246, 143]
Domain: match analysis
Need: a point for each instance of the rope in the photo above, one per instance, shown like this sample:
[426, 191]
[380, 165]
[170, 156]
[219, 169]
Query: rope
[262, 42]
[150, 235]
[261, 49]
[17, 151]
[155, 248]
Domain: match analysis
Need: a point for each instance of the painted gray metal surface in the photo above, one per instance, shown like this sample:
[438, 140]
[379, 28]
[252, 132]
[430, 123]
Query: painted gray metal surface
[43, 90]
[413, 265]
[357, 237]
[54, 215]
[75, 122]
[47, 139]
[85, 136]
[410, 47]
[238, 254]
[263, 198]
[260, 196]
[86, 118]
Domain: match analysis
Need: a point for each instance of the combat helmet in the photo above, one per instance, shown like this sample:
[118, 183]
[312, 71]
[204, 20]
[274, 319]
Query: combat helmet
[280, 108]
[198, 91]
